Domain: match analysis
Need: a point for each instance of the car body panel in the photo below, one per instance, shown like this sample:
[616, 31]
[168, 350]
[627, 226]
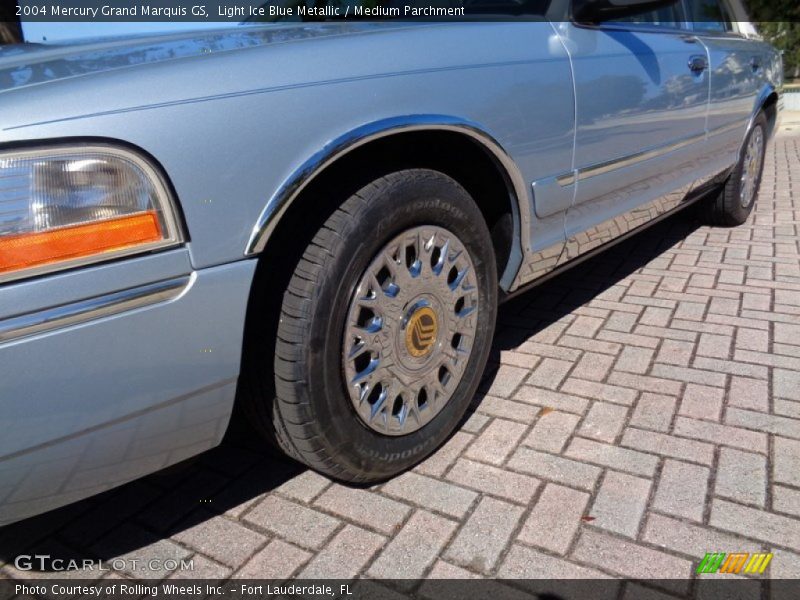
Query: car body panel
[73, 388]
[510, 85]
[634, 90]
[640, 126]
[78, 284]
[738, 68]
[75, 467]
[618, 195]
[100, 392]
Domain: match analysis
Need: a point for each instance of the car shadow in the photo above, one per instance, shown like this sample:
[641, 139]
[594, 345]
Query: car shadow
[117, 523]
[234, 476]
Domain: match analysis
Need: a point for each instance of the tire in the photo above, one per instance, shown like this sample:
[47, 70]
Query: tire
[345, 301]
[733, 205]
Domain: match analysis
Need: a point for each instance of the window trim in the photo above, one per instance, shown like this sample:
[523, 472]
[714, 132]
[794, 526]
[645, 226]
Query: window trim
[733, 32]
[682, 28]
[635, 27]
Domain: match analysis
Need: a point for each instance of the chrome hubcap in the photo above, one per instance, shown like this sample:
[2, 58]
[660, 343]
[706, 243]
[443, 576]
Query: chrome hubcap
[410, 330]
[752, 167]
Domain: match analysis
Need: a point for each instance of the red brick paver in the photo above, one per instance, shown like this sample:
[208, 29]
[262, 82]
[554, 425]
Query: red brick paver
[637, 413]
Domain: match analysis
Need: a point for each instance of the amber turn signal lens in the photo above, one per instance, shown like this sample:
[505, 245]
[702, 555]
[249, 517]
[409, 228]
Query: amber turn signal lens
[35, 249]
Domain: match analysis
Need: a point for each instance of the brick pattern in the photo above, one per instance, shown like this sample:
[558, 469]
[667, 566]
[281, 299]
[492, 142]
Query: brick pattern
[636, 413]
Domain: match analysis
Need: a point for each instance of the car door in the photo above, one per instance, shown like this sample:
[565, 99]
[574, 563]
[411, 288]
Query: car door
[641, 101]
[737, 71]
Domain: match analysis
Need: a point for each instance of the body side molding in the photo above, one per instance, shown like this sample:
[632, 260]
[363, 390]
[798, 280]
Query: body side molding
[91, 309]
[587, 172]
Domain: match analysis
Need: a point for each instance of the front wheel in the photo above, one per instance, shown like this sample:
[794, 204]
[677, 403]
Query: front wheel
[735, 202]
[385, 329]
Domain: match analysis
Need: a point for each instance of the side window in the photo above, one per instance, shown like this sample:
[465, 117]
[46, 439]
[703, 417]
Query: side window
[709, 15]
[670, 17]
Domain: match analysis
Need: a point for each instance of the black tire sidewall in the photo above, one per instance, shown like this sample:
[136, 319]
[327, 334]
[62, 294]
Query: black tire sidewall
[409, 201]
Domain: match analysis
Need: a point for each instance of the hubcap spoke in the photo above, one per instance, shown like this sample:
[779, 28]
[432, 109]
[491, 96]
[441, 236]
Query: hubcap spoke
[410, 329]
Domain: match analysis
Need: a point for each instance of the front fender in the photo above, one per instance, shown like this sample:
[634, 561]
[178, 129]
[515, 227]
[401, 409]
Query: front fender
[292, 187]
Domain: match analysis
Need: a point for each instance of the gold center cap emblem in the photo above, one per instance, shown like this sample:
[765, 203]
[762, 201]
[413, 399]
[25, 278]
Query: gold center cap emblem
[421, 332]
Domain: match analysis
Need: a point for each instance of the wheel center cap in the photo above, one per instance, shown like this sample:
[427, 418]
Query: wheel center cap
[422, 330]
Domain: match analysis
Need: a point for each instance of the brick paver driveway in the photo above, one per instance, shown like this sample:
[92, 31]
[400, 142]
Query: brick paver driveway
[638, 412]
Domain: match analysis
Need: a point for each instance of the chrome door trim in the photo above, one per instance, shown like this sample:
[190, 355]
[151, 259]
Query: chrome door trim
[610, 166]
[283, 198]
[726, 129]
[628, 161]
[43, 321]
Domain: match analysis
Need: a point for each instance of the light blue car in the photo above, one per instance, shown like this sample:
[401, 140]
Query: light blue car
[315, 222]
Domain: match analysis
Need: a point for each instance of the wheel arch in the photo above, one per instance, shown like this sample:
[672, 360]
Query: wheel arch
[450, 132]
[767, 103]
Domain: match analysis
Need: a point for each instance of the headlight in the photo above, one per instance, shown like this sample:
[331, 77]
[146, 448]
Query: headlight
[69, 206]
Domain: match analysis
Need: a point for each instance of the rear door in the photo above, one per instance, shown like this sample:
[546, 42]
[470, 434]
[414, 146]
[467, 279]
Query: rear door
[642, 93]
[738, 72]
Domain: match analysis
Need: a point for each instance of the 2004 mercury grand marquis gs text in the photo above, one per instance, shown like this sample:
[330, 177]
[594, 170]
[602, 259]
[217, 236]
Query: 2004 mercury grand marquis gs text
[315, 222]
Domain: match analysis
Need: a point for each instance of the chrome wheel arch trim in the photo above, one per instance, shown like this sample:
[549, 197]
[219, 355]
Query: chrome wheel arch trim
[764, 95]
[291, 189]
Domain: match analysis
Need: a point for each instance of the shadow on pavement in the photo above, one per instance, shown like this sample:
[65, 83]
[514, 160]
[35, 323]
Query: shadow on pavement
[227, 479]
